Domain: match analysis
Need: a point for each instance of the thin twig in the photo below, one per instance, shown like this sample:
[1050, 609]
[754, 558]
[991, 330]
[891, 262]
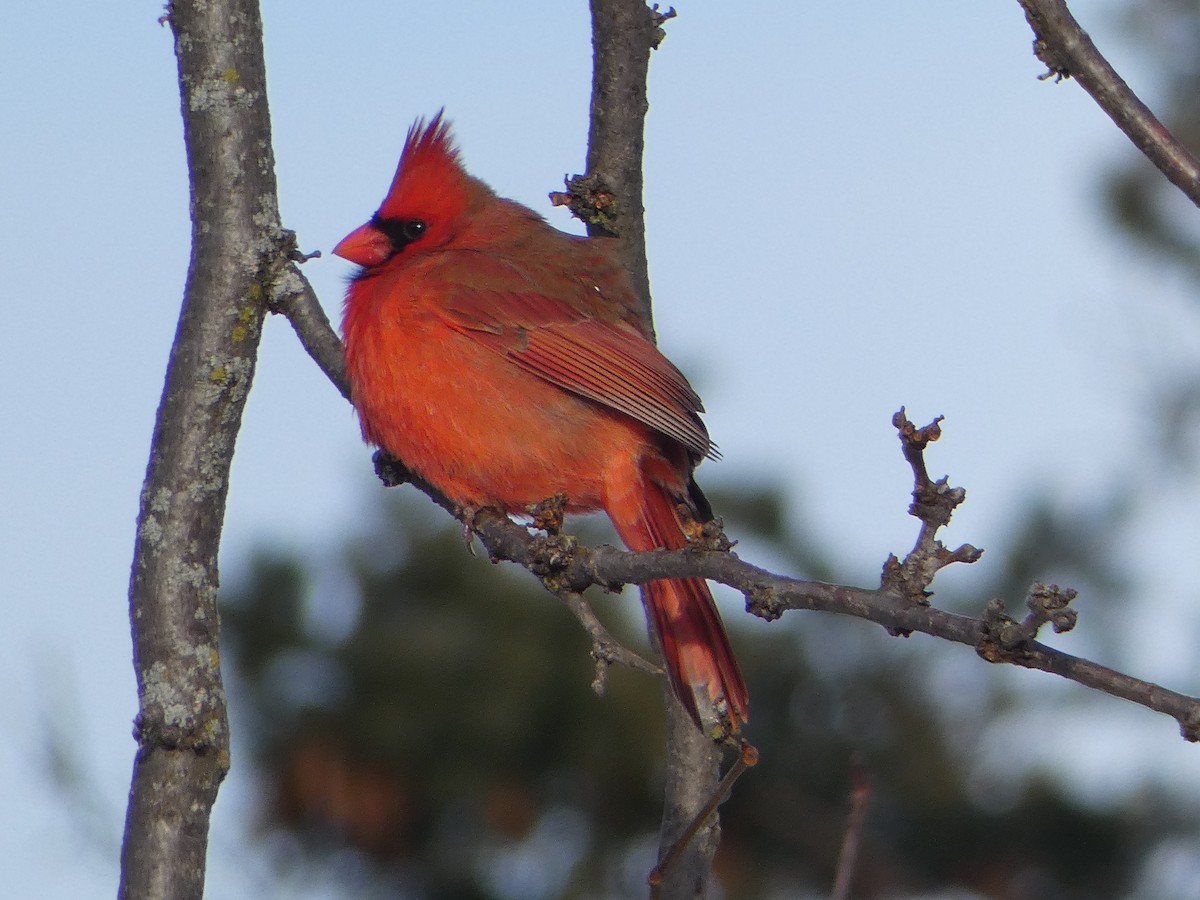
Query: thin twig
[933, 504]
[860, 797]
[606, 649]
[292, 296]
[747, 758]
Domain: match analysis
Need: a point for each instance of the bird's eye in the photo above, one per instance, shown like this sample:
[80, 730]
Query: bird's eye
[401, 232]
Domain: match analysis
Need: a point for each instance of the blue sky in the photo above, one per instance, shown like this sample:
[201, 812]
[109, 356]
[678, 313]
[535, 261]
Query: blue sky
[831, 189]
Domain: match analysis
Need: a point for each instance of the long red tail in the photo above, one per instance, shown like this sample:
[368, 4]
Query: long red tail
[699, 660]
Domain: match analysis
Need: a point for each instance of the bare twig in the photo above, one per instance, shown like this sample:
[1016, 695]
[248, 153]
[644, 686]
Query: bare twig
[1068, 52]
[1046, 605]
[933, 504]
[292, 295]
[606, 650]
[747, 758]
[860, 797]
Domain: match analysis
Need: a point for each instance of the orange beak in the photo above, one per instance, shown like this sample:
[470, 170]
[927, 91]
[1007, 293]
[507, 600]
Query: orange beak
[364, 246]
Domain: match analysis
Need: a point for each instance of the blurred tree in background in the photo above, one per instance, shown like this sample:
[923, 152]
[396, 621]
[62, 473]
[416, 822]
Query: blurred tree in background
[451, 729]
[446, 730]
[432, 715]
[1148, 211]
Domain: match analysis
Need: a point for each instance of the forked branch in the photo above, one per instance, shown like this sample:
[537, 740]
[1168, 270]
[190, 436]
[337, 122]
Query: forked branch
[900, 605]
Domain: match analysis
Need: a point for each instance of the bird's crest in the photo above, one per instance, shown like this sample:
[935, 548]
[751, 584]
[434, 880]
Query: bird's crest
[430, 181]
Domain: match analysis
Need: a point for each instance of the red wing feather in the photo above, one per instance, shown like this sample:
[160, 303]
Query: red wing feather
[608, 362]
[616, 366]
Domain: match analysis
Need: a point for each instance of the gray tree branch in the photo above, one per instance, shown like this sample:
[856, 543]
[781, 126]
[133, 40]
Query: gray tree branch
[608, 198]
[182, 728]
[624, 32]
[900, 604]
[1068, 52]
[292, 296]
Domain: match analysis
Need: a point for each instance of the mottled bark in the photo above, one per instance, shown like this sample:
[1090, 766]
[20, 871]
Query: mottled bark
[182, 728]
[623, 34]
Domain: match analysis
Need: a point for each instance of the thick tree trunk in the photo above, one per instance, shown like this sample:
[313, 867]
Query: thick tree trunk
[182, 727]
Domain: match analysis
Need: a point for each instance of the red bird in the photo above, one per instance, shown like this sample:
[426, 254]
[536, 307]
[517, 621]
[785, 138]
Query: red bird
[504, 362]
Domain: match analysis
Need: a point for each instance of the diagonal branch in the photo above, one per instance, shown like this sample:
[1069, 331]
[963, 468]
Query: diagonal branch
[292, 296]
[860, 798]
[1068, 52]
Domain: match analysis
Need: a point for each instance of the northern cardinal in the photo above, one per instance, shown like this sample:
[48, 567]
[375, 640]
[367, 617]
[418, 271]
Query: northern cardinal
[503, 361]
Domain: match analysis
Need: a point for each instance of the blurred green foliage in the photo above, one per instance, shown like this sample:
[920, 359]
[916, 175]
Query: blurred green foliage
[435, 713]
